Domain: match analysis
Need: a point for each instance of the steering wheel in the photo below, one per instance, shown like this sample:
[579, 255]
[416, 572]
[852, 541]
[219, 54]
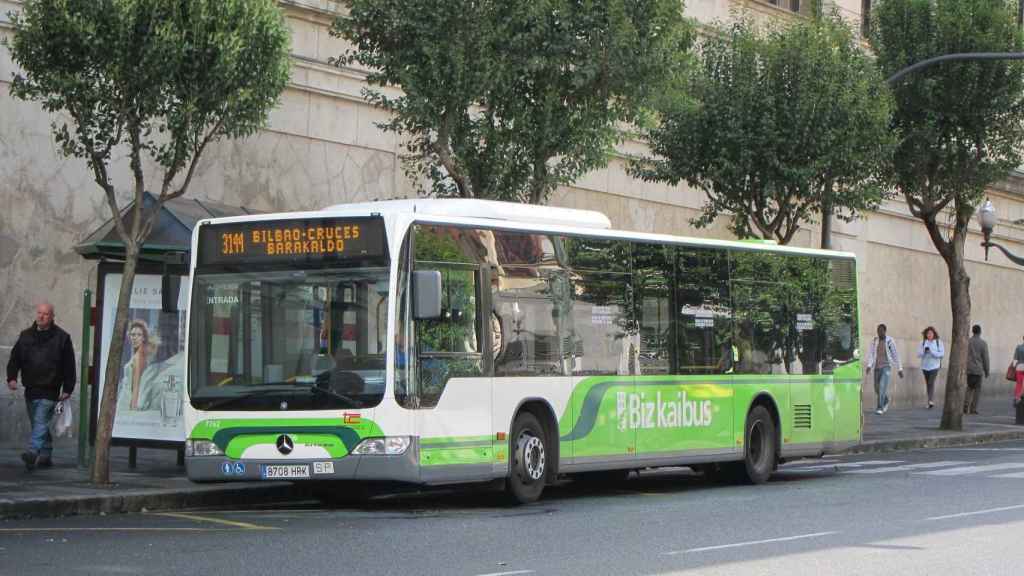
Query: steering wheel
[341, 381]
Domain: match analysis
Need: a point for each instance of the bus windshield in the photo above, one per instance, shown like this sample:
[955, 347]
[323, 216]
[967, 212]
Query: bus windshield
[288, 339]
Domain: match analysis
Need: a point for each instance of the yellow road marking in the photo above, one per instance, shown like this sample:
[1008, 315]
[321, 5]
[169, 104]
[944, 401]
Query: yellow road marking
[112, 529]
[197, 518]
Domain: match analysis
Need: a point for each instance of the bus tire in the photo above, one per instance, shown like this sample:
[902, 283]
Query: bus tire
[760, 446]
[528, 467]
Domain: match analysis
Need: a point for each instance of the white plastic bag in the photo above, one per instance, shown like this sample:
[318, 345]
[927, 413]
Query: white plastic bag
[62, 418]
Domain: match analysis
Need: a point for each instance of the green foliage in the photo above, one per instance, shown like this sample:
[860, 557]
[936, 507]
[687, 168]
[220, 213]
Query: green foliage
[786, 123]
[961, 123]
[961, 127]
[509, 99]
[160, 77]
[437, 245]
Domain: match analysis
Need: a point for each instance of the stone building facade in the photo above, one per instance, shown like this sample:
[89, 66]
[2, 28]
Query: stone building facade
[322, 147]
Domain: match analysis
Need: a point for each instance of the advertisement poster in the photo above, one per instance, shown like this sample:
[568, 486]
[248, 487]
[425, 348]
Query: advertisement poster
[152, 367]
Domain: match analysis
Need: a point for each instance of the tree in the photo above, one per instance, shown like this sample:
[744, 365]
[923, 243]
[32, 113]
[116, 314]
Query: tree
[961, 127]
[786, 124]
[509, 99]
[158, 80]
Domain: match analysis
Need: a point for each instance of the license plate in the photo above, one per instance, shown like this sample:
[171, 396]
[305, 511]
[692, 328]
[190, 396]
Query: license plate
[283, 471]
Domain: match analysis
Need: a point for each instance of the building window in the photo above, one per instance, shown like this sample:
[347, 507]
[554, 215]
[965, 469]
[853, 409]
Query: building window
[792, 5]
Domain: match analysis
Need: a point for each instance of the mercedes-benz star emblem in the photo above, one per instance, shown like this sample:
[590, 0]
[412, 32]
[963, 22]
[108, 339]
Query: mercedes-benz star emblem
[285, 444]
[284, 405]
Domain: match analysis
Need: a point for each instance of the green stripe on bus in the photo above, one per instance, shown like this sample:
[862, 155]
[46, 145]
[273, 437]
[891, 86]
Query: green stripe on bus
[328, 442]
[224, 431]
[441, 440]
[441, 457]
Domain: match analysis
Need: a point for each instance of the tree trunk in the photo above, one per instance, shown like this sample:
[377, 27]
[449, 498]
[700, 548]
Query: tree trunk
[826, 219]
[826, 229]
[108, 403]
[960, 301]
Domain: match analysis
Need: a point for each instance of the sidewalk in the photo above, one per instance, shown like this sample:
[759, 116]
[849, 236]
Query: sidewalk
[906, 428]
[158, 483]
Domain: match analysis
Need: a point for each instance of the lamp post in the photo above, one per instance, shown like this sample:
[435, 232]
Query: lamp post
[987, 219]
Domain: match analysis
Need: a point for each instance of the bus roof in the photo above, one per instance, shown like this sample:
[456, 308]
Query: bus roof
[525, 217]
[487, 209]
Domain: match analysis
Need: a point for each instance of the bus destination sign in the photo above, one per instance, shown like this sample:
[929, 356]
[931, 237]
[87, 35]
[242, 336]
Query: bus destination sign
[283, 241]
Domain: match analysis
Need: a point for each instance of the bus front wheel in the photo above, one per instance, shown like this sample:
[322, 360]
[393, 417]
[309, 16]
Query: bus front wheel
[761, 449]
[529, 459]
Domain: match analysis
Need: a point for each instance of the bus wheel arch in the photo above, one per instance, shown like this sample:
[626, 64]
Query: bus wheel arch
[543, 412]
[534, 420]
[762, 439]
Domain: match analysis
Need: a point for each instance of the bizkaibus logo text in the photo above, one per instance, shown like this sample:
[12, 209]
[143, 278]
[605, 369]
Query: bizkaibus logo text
[635, 411]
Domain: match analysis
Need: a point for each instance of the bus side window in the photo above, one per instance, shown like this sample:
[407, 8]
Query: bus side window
[704, 319]
[449, 346]
[532, 306]
[840, 313]
[763, 332]
[603, 332]
[653, 266]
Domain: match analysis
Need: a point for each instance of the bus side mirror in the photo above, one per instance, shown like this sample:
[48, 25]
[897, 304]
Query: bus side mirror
[426, 286]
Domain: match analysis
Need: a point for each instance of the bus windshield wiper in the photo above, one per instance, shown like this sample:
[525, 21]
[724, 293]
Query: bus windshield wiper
[276, 389]
[328, 392]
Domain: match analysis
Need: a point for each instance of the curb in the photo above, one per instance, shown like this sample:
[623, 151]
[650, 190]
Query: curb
[149, 501]
[964, 439]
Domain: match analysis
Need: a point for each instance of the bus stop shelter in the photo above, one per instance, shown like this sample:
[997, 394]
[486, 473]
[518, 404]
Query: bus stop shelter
[151, 415]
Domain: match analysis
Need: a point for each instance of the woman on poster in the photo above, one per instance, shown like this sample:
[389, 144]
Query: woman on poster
[137, 391]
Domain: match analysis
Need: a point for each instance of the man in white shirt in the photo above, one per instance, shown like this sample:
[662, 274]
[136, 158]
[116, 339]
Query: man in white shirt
[882, 357]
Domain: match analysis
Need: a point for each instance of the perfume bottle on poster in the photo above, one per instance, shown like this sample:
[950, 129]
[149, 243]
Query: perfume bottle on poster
[170, 402]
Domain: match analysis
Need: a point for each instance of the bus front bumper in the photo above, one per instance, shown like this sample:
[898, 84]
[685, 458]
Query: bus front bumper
[399, 468]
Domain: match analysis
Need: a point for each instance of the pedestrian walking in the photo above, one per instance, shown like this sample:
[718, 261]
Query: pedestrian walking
[1018, 361]
[977, 368]
[882, 358]
[45, 358]
[930, 351]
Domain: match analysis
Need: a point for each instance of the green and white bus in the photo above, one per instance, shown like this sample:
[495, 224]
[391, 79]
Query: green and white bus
[443, 341]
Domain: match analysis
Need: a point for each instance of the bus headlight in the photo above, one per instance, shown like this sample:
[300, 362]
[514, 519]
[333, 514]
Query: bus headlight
[388, 445]
[202, 448]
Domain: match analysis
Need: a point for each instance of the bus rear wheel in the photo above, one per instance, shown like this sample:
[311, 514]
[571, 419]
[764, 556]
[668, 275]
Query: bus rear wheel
[761, 451]
[529, 461]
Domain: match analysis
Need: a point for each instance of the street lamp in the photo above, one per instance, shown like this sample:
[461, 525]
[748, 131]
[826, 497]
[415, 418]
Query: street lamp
[987, 218]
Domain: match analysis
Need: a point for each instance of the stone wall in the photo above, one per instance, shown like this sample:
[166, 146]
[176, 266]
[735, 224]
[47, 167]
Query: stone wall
[322, 148]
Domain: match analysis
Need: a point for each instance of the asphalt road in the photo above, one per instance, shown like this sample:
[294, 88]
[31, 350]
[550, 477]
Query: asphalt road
[954, 511]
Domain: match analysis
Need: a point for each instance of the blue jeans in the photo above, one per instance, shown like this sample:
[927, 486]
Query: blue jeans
[40, 412]
[882, 376]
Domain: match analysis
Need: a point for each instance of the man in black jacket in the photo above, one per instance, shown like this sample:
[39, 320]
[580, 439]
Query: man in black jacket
[46, 359]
